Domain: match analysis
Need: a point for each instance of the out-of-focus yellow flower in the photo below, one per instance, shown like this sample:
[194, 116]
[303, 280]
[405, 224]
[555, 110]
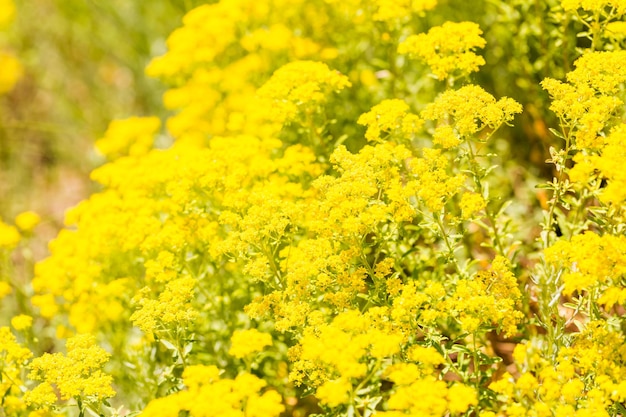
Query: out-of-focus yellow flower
[7, 13]
[133, 136]
[21, 322]
[27, 221]
[11, 71]
[334, 393]
[395, 9]
[247, 342]
[9, 236]
[5, 289]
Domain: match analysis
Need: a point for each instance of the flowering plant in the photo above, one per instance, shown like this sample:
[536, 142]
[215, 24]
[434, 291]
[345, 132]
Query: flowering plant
[335, 228]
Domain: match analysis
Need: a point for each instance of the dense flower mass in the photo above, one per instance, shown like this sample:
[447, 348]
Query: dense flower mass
[321, 227]
[447, 49]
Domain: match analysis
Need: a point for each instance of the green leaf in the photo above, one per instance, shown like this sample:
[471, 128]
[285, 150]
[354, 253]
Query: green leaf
[556, 133]
[168, 345]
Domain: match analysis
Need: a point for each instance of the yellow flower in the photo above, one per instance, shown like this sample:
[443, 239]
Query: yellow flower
[76, 374]
[11, 71]
[334, 393]
[594, 5]
[209, 396]
[461, 397]
[446, 137]
[247, 342]
[27, 221]
[300, 85]
[447, 49]
[13, 359]
[7, 13]
[171, 308]
[5, 289]
[9, 236]
[472, 109]
[387, 10]
[133, 136]
[21, 322]
[470, 204]
[392, 118]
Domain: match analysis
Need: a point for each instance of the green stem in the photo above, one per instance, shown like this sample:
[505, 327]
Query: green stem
[477, 176]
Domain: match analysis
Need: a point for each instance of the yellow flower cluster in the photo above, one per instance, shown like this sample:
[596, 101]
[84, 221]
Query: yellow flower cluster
[584, 380]
[342, 349]
[27, 221]
[11, 73]
[429, 397]
[207, 395]
[447, 49]
[13, 358]
[78, 374]
[247, 342]
[11, 68]
[469, 110]
[9, 236]
[215, 67]
[435, 184]
[593, 263]
[7, 12]
[470, 204]
[390, 118]
[132, 137]
[172, 307]
[298, 87]
[587, 101]
[605, 164]
[21, 322]
[369, 190]
[396, 9]
[488, 299]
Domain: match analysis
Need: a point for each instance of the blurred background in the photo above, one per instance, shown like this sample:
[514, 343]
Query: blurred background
[83, 65]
